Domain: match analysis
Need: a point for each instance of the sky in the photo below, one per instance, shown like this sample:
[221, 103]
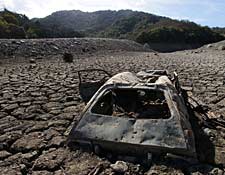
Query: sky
[204, 12]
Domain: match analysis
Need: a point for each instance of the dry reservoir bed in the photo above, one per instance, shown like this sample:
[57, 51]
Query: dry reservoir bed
[38, 102]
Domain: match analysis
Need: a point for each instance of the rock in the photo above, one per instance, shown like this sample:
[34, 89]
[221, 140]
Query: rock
[146, 46]
[216, 171]
[163, 170]
[119, 167]
[209, 46]
[68, 57]
[55, 47]
[32, 61]
[221, 47]
[25, 104]
[208, 132]
[4, 154]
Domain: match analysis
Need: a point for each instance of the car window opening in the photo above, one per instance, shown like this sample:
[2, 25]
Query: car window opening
[133, 103]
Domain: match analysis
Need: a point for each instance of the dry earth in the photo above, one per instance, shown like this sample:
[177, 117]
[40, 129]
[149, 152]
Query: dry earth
[39, 101]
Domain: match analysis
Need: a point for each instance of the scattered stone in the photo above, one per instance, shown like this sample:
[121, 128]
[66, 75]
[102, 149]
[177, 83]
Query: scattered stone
[55, 48]
[119, 167]
[163, 170]
[68, 57]
[216, 171]
[146, 46]
[209, 46]
[208, 132]
[32, 61]
[221, 47]
[4, 154]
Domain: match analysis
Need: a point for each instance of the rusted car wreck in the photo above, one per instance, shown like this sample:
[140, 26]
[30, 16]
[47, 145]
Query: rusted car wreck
[135, 115]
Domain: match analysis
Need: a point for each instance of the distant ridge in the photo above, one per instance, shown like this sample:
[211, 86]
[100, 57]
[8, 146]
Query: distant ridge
[123, 24]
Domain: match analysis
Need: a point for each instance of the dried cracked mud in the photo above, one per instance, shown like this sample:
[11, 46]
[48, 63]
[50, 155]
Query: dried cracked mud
[39, 102]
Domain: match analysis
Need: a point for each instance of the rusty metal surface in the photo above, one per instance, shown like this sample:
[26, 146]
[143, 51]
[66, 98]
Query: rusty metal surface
[172, 135]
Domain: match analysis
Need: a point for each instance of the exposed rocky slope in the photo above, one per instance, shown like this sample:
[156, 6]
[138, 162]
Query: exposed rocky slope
[41, 48]
[39, 101]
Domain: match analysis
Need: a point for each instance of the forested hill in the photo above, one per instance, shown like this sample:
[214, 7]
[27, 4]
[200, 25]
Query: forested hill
[139, 26]
[13, 25]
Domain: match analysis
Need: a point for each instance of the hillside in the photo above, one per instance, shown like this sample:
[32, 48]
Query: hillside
[162, 33]
[139, 26]
[12, 25]
[220, 30]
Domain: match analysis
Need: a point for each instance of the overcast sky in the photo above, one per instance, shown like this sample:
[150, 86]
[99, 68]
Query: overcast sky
[204, 12]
